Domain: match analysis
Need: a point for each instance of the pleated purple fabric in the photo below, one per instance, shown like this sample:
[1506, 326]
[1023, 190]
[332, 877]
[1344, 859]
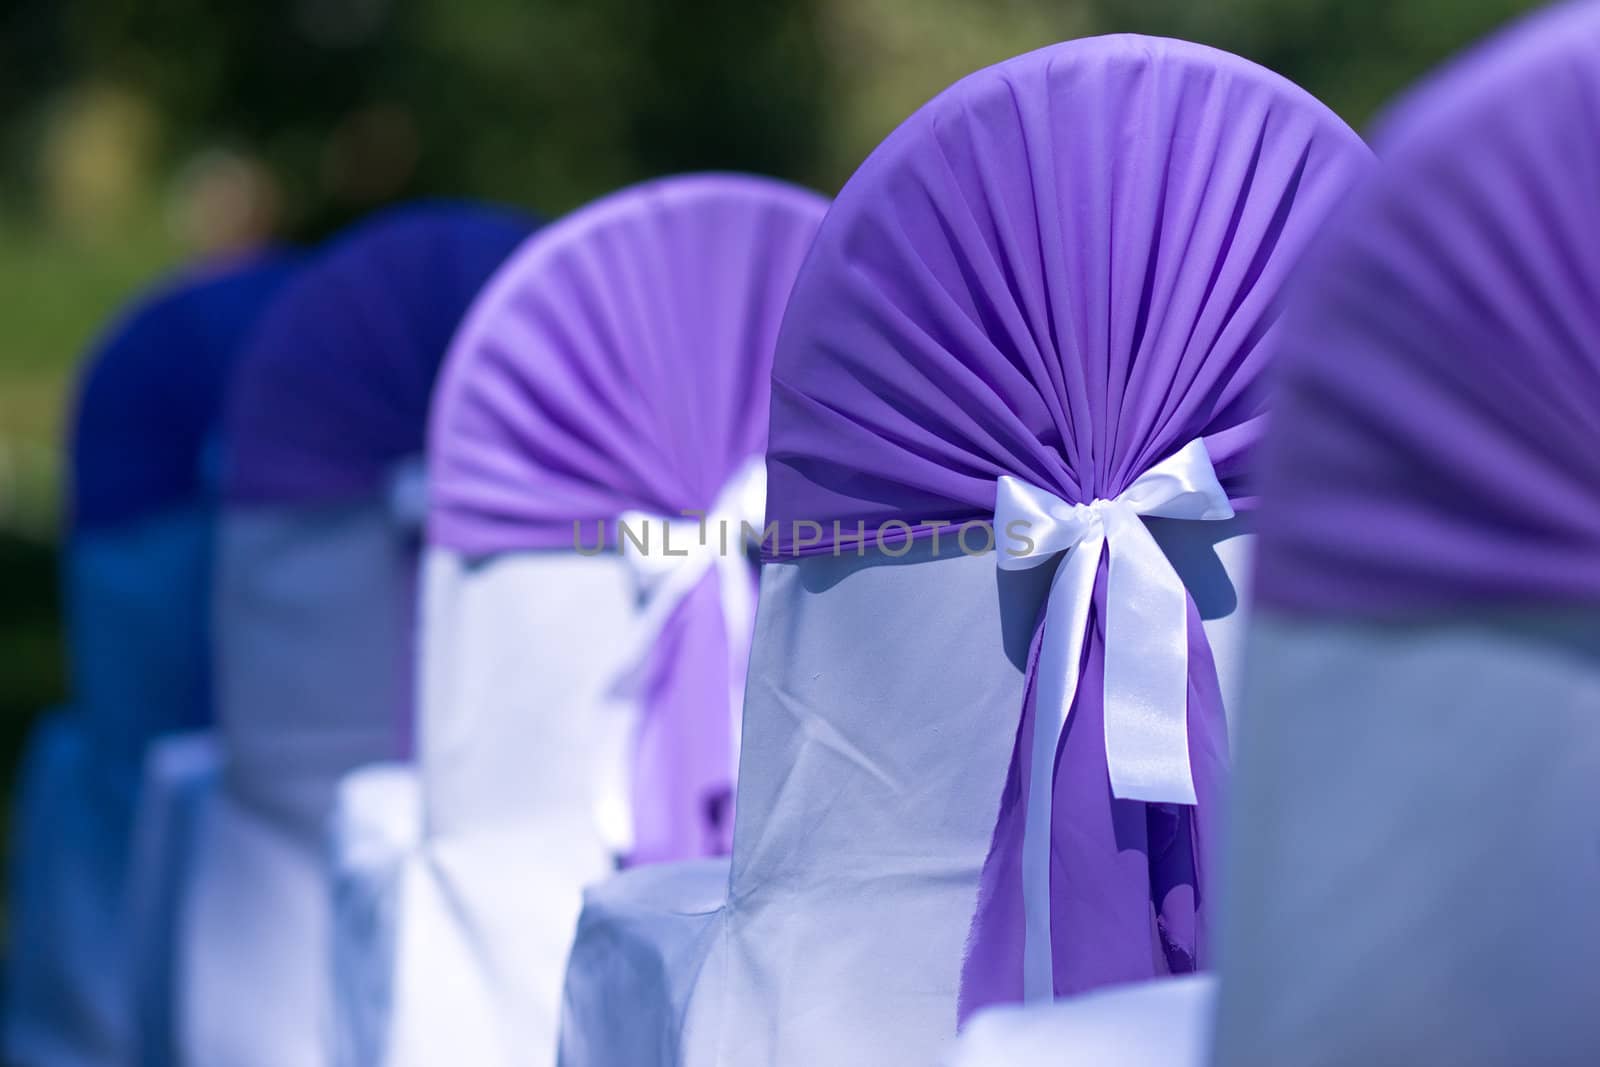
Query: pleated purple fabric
[333, 389]
[1064, 268]
[153, 391]
[620, 362]
[1434, 444]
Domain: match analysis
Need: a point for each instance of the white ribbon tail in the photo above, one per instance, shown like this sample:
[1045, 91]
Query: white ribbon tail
[713, 542]
[1146, 669]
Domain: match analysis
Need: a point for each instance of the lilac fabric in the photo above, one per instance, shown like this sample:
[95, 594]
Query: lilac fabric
[1434, 440]
[334, 387]
[621, 362]
[151, 397]
[1064, 269]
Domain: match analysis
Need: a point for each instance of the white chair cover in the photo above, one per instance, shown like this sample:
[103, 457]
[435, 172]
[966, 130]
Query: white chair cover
[765, 963]
[314, 642]
[456, 882]
[1395, 903]
[1147, 1024]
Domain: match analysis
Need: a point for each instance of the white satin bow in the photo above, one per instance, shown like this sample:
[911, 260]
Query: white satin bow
[680, 552]
[1146, 653]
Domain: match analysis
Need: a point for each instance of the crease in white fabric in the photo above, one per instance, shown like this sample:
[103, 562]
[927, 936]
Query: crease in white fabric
[681, 551]
[820, 731]
[1146, 650]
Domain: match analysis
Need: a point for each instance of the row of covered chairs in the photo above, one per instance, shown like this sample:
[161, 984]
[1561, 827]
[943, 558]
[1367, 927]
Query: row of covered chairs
[481, 642]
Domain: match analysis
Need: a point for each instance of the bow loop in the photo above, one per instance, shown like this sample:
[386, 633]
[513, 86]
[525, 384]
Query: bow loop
[1182, 486]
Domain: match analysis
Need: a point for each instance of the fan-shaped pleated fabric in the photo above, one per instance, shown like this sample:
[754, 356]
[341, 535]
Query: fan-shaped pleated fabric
[620, 364]
[136, 575]
[1440, 396]
[1064, 268]
[149, 402]
[336, 384]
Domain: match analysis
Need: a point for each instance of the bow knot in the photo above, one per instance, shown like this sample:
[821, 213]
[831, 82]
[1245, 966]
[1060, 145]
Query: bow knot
[671, 559]
[1091, 517]
[1146, 654]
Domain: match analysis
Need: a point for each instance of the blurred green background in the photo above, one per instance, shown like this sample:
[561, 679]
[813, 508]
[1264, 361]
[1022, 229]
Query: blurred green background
[136, 133]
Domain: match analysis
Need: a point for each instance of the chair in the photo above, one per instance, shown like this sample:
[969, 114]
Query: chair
[1416, 832]
[1035, 315]
[314, 601]
[579, 689]
[1418, 748]
[136, 571]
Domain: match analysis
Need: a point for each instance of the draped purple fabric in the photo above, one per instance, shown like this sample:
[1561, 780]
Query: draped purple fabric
[1064, 268]
[1434, 441]
[620, 362]
[152, 394]
[333, 389]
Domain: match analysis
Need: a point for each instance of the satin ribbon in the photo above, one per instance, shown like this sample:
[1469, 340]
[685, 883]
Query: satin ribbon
[681, 552]
[1146, 650]
[406, 493]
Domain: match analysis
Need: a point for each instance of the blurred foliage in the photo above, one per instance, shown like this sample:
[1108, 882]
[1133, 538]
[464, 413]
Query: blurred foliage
[136, 132]
[1356, 55]
[32, 660]
[348, 103]
[59, 288]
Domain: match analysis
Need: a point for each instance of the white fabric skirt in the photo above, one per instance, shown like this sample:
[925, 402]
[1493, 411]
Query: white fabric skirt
[882, 709]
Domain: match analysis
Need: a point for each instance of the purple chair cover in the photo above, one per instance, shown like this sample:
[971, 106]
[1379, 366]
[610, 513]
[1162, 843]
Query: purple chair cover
[1065, 268]
[150, 400]
[335, 386]
[621, 363]
[1437, 422]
